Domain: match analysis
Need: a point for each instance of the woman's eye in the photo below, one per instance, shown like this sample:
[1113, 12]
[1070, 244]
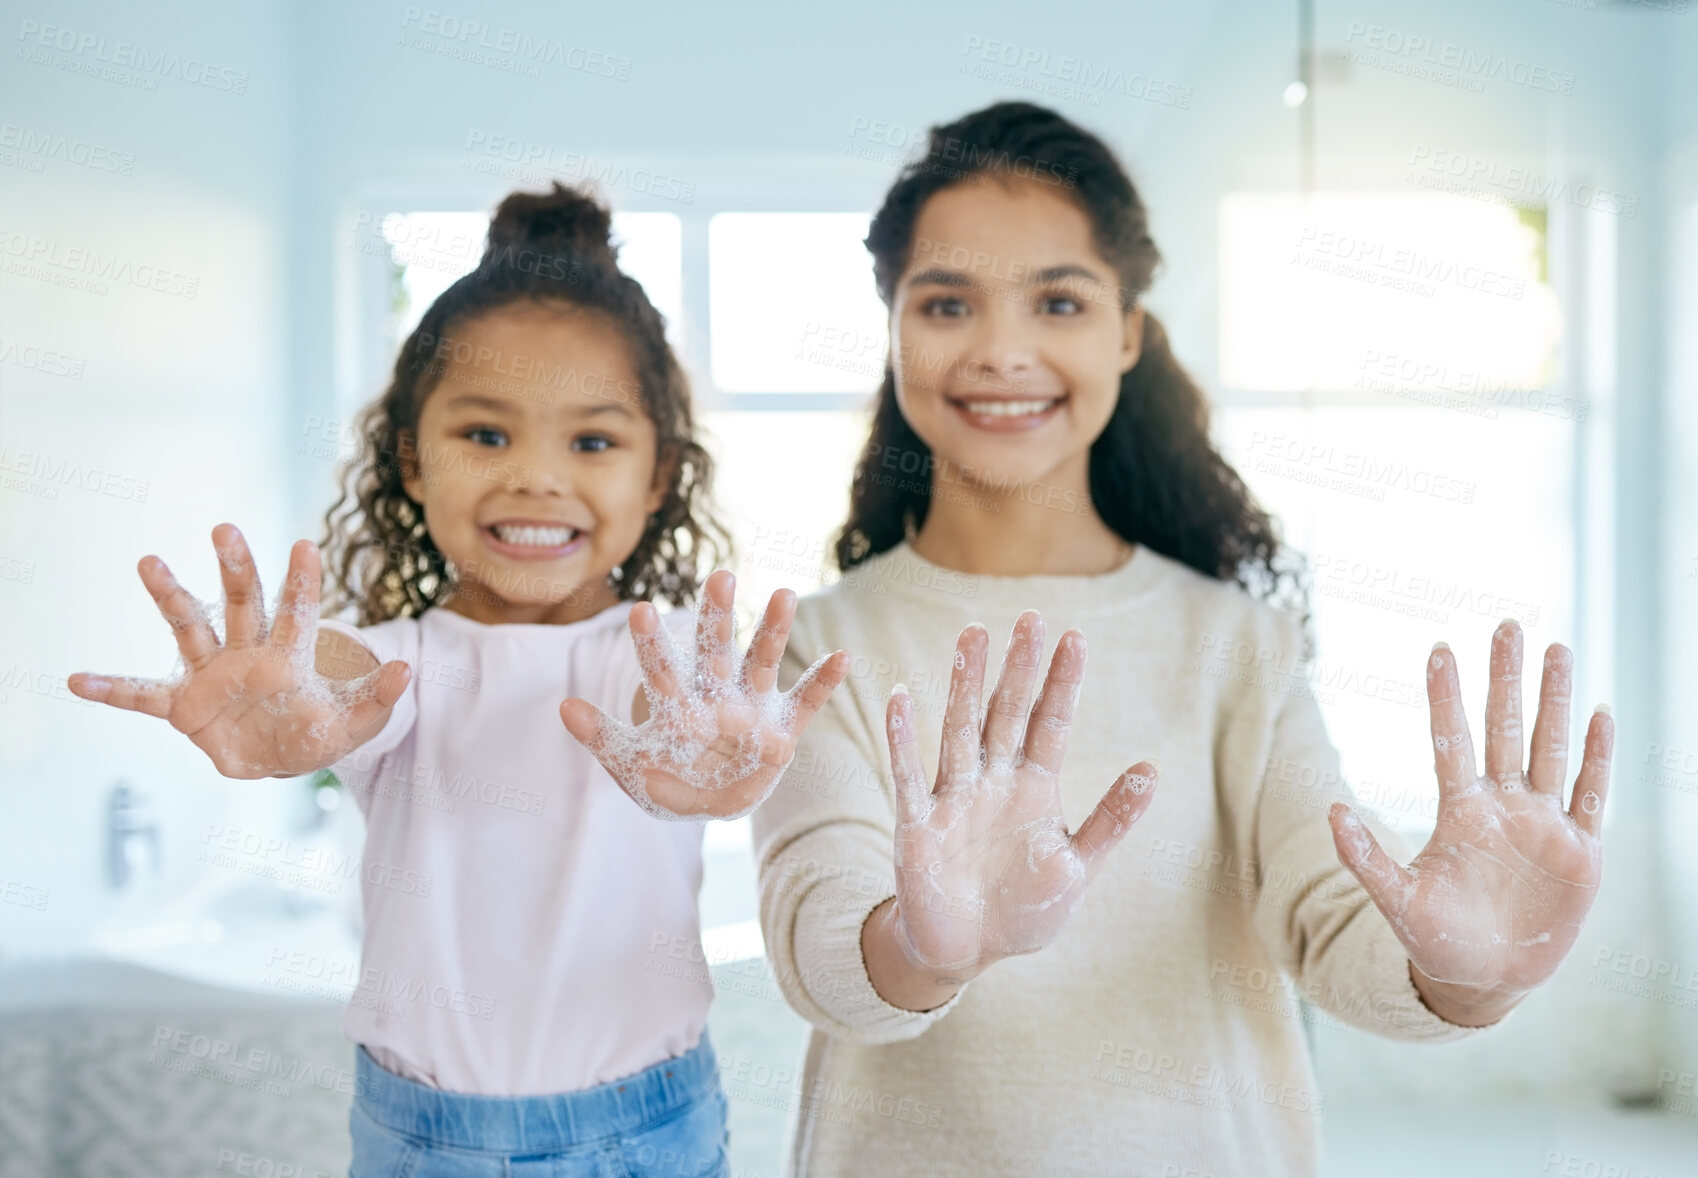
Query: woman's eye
[483, 434]
[1059, 304]
[946, 307]
[594, 443]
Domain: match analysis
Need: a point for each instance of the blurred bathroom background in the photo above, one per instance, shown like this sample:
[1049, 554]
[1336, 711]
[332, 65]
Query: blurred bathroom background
[216, 222]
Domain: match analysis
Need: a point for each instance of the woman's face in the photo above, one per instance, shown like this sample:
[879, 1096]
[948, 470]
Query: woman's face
[1008, 338]
[535, 462]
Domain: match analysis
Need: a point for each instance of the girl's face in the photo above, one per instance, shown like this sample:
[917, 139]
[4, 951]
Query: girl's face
[1008, 339]
[534, 462]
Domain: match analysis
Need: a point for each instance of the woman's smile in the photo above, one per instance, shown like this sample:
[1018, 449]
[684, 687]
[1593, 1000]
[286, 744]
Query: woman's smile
[1006, 414]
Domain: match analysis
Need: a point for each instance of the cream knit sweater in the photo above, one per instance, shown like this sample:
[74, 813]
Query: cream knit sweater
[1160, 1033]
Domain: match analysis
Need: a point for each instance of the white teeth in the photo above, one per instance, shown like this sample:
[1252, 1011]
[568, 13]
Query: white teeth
[1009, 408]
[535, 536]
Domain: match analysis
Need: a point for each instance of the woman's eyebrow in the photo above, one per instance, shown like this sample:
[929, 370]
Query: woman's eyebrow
[937, 276]
[1055, 273]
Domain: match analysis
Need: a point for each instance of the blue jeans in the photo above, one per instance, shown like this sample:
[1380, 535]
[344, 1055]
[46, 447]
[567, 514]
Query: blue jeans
[666, 1121]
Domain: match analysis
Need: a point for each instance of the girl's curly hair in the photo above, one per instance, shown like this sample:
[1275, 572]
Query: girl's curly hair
[544, 248]
[1155, 477]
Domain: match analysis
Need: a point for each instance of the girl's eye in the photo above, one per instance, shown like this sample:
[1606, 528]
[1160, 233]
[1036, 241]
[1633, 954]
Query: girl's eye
[500, 439]
[594, 443]
[1060, 304]
[944, 307]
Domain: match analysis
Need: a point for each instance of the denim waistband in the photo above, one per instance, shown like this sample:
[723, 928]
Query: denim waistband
[534, 1124]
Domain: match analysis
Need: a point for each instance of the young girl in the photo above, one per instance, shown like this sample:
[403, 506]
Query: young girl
[529, 477]
[994, 995]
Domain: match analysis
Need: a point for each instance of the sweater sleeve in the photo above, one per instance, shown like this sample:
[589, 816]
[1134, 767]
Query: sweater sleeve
[1316, 920]
[825, 850]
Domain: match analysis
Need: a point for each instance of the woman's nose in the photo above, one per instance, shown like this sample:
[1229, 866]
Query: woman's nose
[1001, 353]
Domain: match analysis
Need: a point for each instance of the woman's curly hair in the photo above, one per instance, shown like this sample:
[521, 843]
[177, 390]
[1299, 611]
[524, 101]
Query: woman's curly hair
[544, 248]
[1155, 477]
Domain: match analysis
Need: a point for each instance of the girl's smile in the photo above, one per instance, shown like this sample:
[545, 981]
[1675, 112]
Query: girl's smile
[533, 539]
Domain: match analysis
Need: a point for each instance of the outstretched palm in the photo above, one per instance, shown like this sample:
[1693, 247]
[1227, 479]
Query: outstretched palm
[1497, 896]
[985, 868]
[254, 702]
[715, 744]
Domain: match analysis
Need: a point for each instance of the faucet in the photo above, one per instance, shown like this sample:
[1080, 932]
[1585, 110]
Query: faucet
[132, 835]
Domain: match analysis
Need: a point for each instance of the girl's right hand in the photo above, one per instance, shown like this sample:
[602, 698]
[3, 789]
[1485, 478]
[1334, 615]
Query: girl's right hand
[255, 703]
[985, 868]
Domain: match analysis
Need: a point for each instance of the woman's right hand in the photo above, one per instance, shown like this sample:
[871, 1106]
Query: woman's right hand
[255, 703]
[985, 868]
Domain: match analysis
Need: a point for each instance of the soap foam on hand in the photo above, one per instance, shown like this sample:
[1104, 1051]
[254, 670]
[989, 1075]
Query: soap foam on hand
[256, 703]
[717, 738]
[1496, 899]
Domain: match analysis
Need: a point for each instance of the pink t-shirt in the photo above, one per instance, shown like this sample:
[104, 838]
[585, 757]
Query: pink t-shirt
[524, 919]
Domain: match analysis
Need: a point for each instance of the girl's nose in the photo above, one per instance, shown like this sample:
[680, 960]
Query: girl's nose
[542, 472]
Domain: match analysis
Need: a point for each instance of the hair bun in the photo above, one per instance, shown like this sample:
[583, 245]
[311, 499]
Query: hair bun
[561, 221]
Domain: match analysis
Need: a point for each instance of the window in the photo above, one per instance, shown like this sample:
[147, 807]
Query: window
[1331, 292]
[1424, 335]
[792, 304]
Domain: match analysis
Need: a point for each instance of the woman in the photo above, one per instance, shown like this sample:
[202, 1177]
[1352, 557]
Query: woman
[1035, 444]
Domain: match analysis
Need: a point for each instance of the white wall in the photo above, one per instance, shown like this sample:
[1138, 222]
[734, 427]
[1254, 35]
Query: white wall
[1676, 570]
[184, 395]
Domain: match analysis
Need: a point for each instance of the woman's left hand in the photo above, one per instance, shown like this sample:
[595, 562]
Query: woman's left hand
[1493, 903]
[717, 737]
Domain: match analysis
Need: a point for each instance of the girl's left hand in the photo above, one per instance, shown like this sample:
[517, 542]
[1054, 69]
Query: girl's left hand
[1493, 903]
[715, 742]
